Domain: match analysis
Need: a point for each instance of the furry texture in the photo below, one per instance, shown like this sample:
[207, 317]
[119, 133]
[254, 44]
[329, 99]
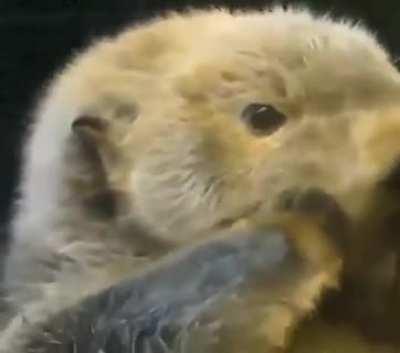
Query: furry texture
[170, 93]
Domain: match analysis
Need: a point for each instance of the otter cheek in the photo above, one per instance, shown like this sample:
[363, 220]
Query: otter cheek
[167, 201]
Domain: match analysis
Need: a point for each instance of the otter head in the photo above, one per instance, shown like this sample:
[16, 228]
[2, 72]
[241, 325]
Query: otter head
[210, 142]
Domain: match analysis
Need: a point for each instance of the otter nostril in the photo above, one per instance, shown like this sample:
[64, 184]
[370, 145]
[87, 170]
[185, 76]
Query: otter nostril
[106, 203]
[127, 113]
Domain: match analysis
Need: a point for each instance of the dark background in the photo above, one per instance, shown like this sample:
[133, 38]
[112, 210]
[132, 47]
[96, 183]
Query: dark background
[36, 36]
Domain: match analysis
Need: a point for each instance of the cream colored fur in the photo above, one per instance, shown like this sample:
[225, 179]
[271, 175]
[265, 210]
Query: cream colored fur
[173, 90]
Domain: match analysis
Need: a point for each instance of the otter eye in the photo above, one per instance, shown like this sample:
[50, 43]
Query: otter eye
[263, 119]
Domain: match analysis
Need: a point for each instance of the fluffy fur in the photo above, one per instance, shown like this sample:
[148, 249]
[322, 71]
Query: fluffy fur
[170, 93]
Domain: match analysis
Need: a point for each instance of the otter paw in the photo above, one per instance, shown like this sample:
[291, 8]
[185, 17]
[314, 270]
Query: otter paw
[320, 207]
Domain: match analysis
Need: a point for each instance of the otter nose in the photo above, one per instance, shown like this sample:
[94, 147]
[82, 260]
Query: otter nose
[108, 203]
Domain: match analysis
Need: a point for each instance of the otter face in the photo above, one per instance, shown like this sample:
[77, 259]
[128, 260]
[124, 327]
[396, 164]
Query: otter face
[226, 142]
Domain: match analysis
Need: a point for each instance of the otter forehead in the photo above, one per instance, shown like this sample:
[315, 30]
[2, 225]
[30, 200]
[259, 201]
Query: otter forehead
[278, 55]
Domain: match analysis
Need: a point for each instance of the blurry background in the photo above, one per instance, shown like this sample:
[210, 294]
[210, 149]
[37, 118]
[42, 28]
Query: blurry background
[36, 36]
